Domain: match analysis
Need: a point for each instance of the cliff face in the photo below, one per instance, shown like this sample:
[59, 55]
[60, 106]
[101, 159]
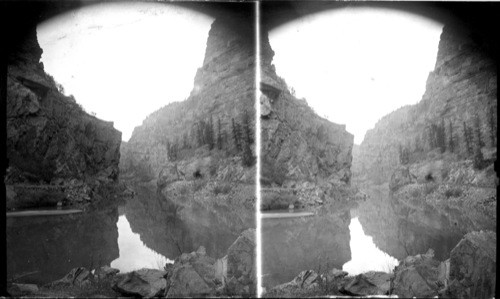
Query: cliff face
[460, 94]
[297, 144]
[180, 134]
[49, 136]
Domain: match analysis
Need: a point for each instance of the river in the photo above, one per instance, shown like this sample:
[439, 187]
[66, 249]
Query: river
[369, 235]
[145, 231]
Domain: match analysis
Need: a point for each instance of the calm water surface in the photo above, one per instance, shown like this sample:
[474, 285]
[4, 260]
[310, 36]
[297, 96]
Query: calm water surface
[147, 231]
[367, 236]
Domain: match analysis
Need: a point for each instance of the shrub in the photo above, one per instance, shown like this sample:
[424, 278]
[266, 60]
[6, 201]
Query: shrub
[415, 193]
[453, 192]
[430, 187]
[222, 189]
[272, 173]
[198, 185]
[273, 201]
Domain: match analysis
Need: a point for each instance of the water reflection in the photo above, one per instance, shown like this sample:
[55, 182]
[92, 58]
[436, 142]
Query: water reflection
[170, 229]
[402, 230]
[366, 256]
[147, 231]
[134, 254]
[41, 249]
[291, 245]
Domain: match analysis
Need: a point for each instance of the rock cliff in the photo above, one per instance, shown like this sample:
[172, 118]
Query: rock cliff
[49, 135]
[456, 113]
[297, 144]
[210, 134]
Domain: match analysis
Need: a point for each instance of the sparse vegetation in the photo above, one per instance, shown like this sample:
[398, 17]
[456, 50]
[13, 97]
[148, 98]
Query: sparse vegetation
[430, 188]
[453, 192]
[221, 188]
[277, 201]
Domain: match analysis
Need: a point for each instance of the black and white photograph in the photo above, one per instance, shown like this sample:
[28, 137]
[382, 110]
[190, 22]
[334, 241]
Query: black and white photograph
[249, 149]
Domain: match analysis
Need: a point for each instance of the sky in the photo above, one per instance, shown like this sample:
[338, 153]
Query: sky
[134, 254]
[365, 255]
[123, 61]
[355, 65]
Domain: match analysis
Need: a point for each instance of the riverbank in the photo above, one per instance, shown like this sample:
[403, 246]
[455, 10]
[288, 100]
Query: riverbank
[191, 274]
[65, 194]
[469, 272]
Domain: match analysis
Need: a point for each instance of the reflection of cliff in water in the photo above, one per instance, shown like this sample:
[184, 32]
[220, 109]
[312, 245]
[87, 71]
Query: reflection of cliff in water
[292, 245]
[50, 246]
[402, 230]
[171, 230]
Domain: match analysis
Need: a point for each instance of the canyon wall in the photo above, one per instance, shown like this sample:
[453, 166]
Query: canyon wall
[49, 135]
[222, 98]
[459, 105]
[297, 144]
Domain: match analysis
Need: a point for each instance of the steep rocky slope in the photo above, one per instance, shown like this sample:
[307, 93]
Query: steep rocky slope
[298, 146]
[459, 105]
[49, 135]
[52, 143]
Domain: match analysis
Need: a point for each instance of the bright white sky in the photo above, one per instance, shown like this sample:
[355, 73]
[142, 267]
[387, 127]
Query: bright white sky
[134, 254]
[125, 60]
[355, 65]
[365, 255]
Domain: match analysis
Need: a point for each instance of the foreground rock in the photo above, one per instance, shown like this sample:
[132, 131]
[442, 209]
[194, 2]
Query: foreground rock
[304, 284]
[370, 283]
[193, 274]
[241, 279]
[418, 276]
[143, 283]
[473, 266]
[196, 274]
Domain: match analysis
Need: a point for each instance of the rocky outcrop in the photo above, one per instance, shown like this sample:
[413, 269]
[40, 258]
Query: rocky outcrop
[49, 135]
[418, 276]
[366, 284]
[472, 271]
[197, 274]
[241, 279]
[196, 135]
[297, 144]
[460, 94]
[145, 283]
[400, 177]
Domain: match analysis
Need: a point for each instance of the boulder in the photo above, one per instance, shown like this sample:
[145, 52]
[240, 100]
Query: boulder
[19, 289]
[144, 283]
[417, 276]
[80, 277]
[241, 277]
[306, 281]
[105, 271]
[370, 283]
[192, 274]
[473, 266]
[400, 177]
